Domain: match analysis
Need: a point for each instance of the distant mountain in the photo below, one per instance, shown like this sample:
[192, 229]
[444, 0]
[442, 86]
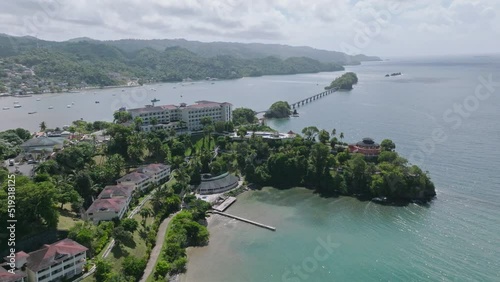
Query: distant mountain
[242, 50]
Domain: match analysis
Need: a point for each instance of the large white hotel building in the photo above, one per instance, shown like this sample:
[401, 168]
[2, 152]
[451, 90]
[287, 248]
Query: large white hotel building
[169, 116]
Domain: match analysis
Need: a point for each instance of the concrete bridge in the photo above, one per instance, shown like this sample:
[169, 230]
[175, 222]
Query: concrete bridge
[307, 100]
[312, 98]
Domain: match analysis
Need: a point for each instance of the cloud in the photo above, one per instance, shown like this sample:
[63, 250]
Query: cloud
[327, 24]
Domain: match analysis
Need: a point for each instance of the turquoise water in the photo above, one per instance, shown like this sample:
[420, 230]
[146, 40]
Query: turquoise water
[455, 238]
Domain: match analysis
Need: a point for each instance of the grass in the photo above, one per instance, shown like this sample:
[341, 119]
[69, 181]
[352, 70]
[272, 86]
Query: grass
[67, 218]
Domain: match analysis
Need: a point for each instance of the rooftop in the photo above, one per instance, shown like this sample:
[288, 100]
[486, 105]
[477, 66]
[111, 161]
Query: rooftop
[135, 177]
[41, 142]
[54, 253]
[112, 191]
[152, 168]
[222, 180]
[6, 276]
[111, 204]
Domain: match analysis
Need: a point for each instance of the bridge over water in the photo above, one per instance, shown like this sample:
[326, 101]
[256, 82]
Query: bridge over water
[307, 100]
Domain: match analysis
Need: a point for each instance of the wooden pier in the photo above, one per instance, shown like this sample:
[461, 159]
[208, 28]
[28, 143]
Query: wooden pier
[245, 220]
[224, 205]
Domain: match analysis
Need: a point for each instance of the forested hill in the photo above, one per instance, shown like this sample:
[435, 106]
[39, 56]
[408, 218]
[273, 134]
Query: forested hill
[241, 50]
[97, 63]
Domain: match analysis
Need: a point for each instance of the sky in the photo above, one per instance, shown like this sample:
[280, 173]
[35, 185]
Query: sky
[372, 27]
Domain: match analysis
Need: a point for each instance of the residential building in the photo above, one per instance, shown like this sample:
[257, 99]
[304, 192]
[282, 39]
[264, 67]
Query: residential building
[61, 260]
[6, 276]
[367, 147]
[112, 202]
[139, 181]
[183, 115]
[158, 173]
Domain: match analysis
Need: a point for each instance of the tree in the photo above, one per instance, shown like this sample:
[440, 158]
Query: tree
[103, 270]
[162, 268]
[242, 132]
[134, 267]
[341, 136]
[388, 145]
[129, 224]
[121, 116]
[344, 82]
[310, 132]
[334, 132]
[43, 126]
[138, 122]
[323, 136]
[243, 116]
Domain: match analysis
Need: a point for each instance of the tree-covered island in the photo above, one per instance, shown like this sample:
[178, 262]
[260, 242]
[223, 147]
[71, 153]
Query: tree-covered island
[344, 82]
[280, 109]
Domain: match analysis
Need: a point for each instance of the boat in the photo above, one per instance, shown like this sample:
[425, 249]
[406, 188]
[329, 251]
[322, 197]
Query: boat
[72, 103]
[97, 102]
[123, 90]
[51, 107]
[38, 99]
[5, 108]
[68, 106]
[154, 100]
[17, 106]
[16, 102]
[295, 113]
[30, 113]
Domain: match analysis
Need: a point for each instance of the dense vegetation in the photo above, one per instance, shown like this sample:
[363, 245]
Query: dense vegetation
[244, 116]
[78, 64]
[10, 141]
[280, 109]
[344, 82]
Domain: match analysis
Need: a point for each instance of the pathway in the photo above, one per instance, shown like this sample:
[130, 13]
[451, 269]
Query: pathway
[155, 252]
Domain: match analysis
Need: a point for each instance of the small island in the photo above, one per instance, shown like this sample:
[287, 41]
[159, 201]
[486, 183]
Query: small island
[280, 109]
[344, 82]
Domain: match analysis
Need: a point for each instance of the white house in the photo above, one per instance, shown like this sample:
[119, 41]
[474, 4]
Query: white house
[158, 173]
[139, 181]
[63, 259]
[113, 202]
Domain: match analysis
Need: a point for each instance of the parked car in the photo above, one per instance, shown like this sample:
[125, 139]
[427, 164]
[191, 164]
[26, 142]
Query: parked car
[11, 162]
[32, 162]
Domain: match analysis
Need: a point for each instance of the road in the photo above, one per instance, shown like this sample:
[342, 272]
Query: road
[155, 252]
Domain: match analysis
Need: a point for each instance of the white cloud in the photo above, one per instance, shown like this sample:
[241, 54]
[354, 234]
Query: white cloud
[418, 27]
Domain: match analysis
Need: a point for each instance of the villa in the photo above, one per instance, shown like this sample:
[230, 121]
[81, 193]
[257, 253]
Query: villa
[112, 202]
[139, 181]
[158, 173]
[367, 147]
[61, 260]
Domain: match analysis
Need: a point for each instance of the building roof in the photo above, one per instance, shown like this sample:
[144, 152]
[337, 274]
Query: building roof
[6, 276]
[222, 180]
[152, 168]
[146, 110]
[367, 142]
[41, 142]
[112, 204]
[54, 253]
[134, 177]
[112, 191]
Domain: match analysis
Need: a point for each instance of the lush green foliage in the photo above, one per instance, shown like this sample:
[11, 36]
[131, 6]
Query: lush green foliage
[344, 82]
[244, 116]
[280, 109]
[10, 141]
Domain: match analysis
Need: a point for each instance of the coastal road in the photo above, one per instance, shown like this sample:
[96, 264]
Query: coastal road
[155, 252]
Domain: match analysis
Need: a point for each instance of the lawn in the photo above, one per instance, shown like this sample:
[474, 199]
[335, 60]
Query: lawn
[67, 218]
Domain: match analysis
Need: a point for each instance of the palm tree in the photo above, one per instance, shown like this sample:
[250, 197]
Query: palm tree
[154, 122]
[43, 126]
[334, 132]
[341, 136]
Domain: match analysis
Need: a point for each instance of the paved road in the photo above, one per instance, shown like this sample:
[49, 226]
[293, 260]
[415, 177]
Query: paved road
[155, 253]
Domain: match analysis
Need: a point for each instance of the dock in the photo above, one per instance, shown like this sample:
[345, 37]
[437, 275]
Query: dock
[245, 220]
[224, 205]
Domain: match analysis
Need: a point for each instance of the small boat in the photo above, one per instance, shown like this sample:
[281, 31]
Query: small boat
[97, 102]
[123, 90]
[30, 113]
[5, 108]
[17, 106]
[72, 103]
[38, 99]
[16, 102]
[51, 107]
[68, 106]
